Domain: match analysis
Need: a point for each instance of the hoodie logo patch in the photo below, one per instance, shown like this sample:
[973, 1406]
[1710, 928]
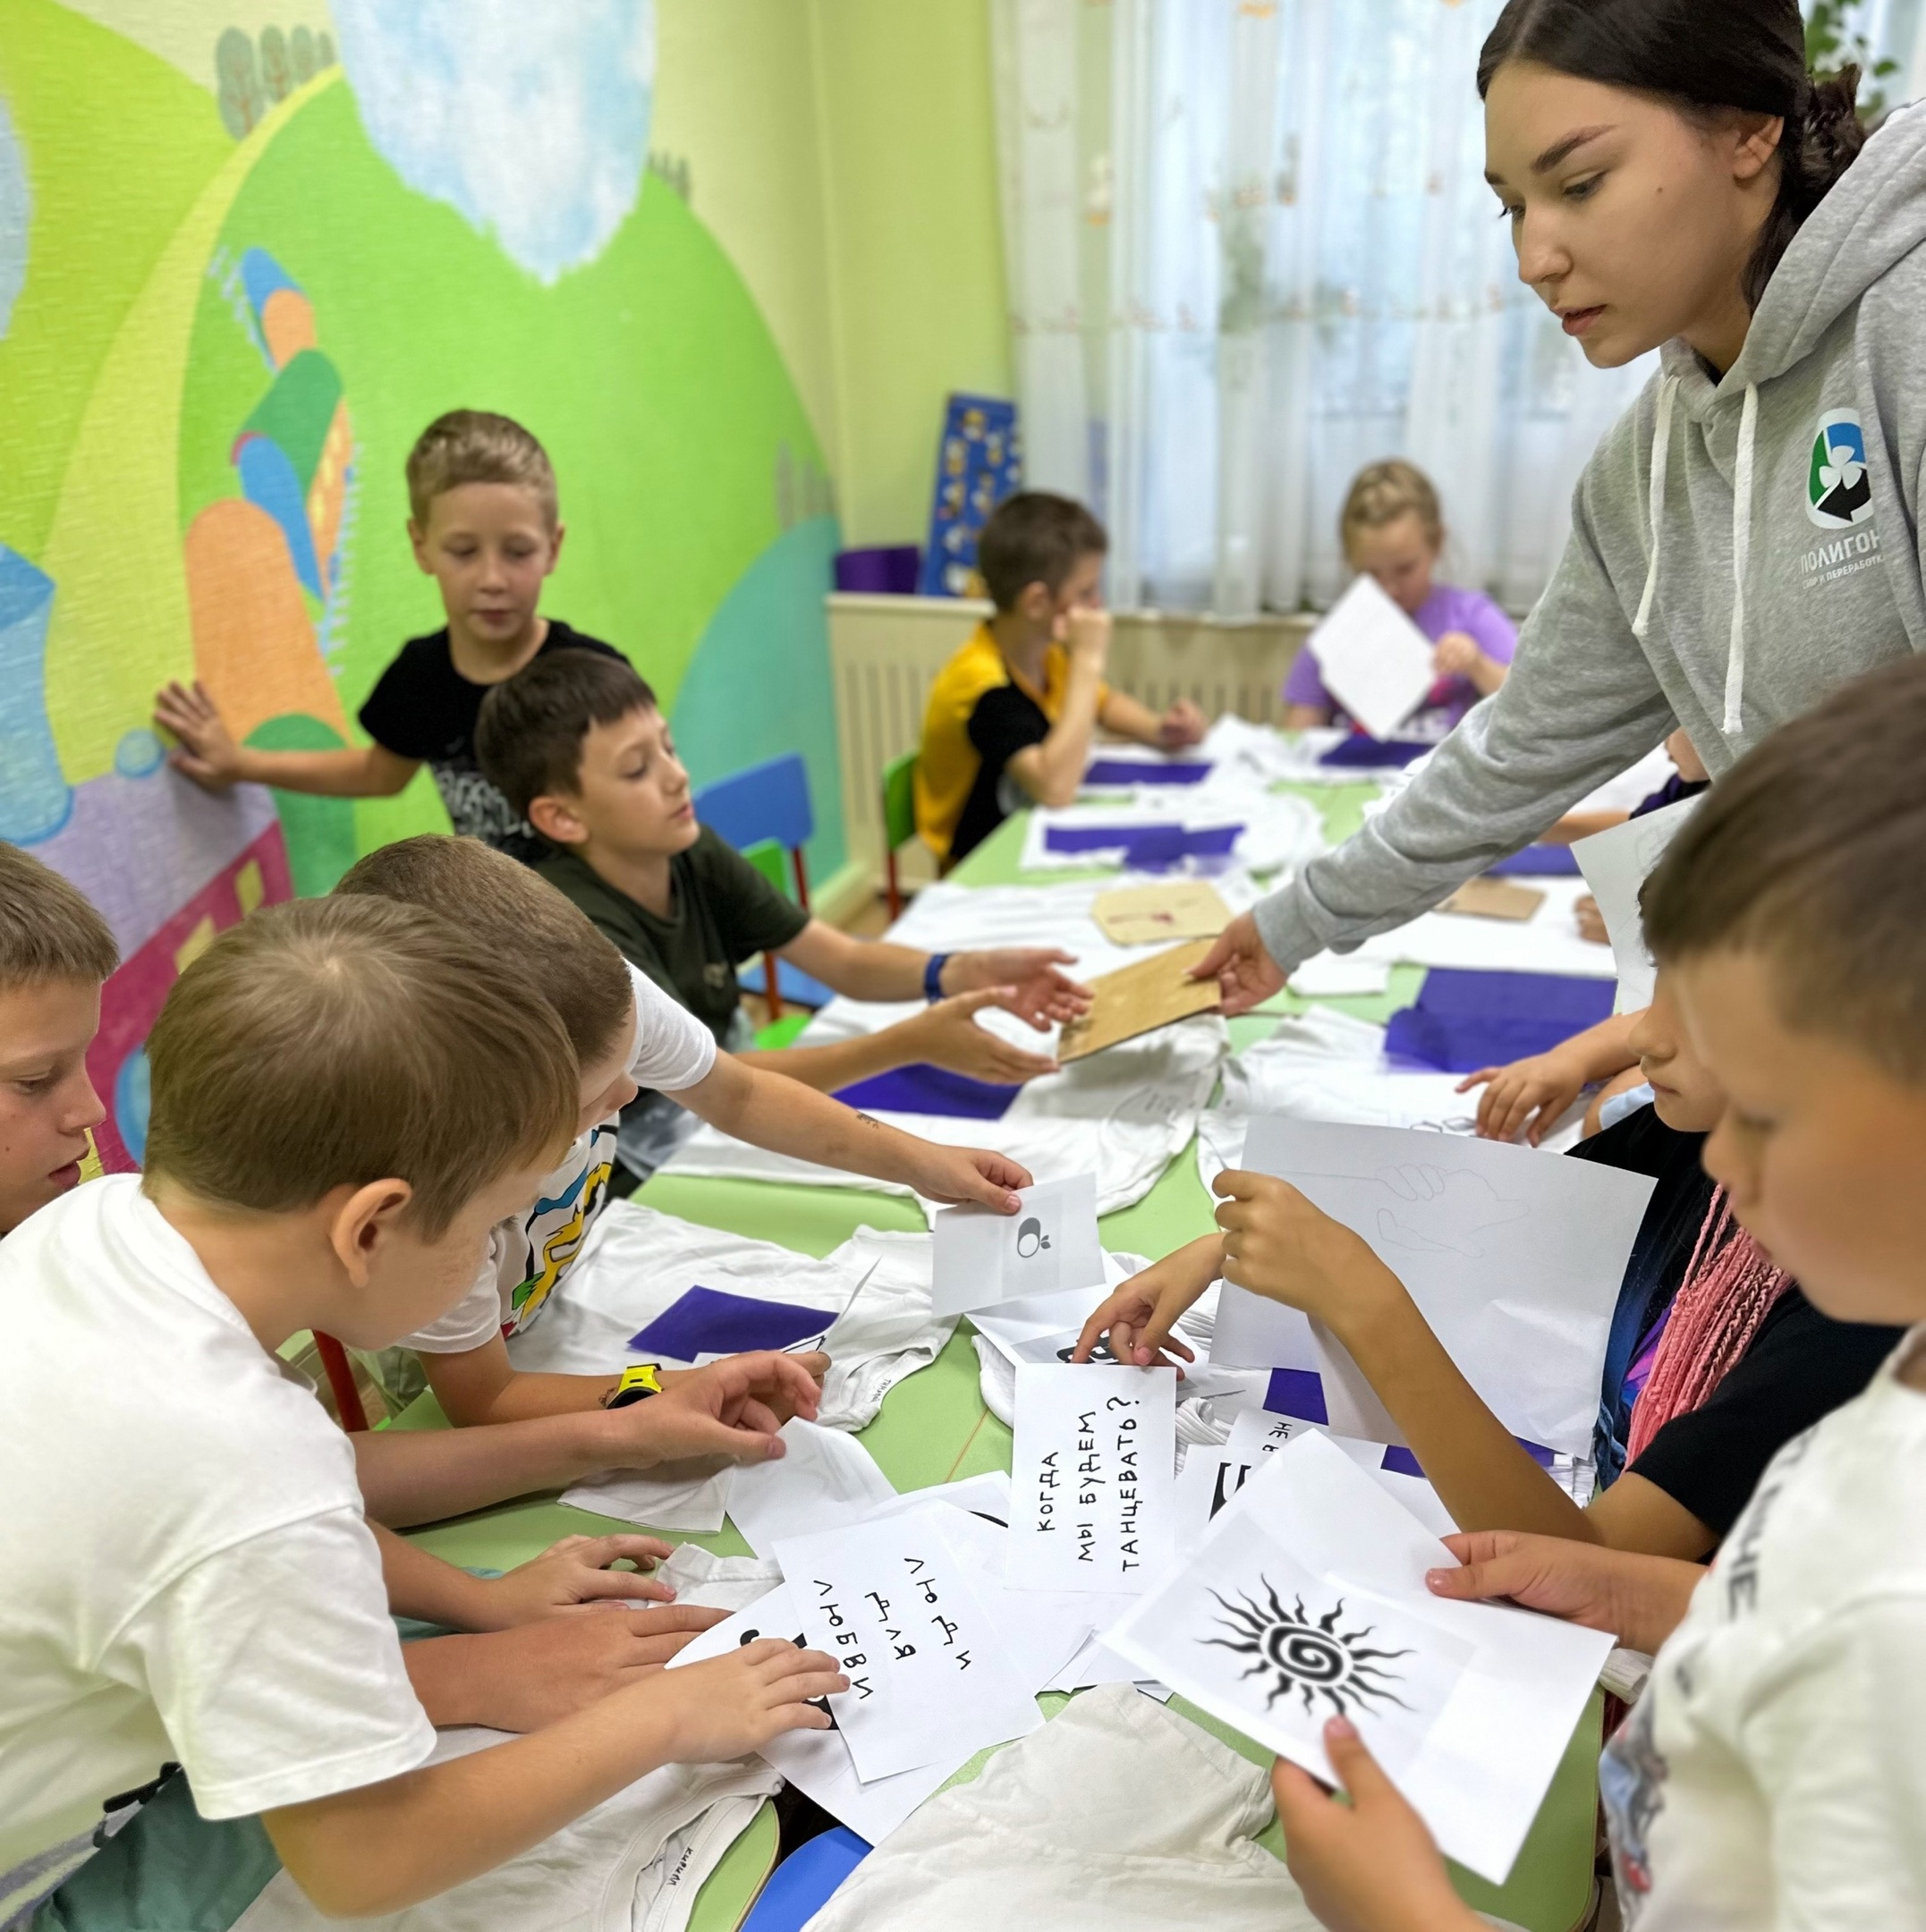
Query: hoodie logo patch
[1838, 491]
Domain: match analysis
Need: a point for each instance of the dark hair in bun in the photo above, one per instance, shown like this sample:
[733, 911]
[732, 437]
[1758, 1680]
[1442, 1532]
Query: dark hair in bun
[1707, 55]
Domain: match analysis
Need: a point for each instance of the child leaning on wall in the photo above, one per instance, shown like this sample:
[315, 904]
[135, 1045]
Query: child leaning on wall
[1393, 529]
[189, 1576]
[484, 522]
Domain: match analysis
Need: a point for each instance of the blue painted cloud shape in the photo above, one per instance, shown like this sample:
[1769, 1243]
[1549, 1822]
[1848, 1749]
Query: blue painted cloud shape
[16, 210]
[532, 122]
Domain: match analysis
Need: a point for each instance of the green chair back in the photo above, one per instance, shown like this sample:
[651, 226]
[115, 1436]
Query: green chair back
[899, 801]
[768, 858]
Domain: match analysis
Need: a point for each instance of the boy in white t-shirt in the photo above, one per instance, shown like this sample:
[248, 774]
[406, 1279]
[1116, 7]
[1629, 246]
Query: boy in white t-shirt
[1774, 1772]
[189, 1578]
[627, 1034]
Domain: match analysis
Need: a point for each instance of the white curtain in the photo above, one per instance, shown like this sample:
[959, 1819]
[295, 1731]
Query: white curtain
[1250, 249]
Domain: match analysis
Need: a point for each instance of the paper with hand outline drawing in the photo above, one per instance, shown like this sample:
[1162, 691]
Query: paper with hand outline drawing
[1048, 1247]
[892, 1601]
[1306, 1600]
[1514, 1258]
[1372, 659]
[1615, 863]
[1091, 1472]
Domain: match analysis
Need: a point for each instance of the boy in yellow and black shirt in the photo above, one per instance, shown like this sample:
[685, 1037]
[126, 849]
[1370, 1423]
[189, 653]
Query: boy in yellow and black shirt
[1012, 715]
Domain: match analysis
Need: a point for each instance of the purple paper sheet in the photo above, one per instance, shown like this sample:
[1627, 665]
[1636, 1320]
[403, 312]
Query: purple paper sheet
[1133, 771]
[927, 1089]
[1465, 1020]
[1146, 848]
[1536, 861]
[1368, 754]
[705, 1321]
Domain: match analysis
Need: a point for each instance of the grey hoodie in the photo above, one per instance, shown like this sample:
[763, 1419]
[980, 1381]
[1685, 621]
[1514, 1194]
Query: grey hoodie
[1737, 551]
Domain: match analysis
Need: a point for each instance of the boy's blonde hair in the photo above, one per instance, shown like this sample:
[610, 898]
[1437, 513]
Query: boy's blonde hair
[333, 1042]
[476, 446]
[48, 930]
[1384, 493]
[515, 914]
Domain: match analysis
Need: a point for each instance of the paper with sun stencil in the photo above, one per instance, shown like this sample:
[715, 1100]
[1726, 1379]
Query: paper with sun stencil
[1306, 1601]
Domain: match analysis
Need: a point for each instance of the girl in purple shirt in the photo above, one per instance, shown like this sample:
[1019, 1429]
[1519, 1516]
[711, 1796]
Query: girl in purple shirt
[1392, 529]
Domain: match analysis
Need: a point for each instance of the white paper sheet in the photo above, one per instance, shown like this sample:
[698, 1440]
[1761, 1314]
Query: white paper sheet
[1306, 1600]
[1048, 1247]
[1372, 659]
[929, 1675]
[1549, 941]
[1090, 1476]
[1341, 975]
[1514, 1259]
[817, 1762]
[696, 1504]
[1616, 864]
[825, 1479]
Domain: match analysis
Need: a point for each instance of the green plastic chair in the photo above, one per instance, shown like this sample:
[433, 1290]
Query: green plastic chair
[899, 820]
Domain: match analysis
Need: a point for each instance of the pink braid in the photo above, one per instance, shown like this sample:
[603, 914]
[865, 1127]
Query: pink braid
[1729, 1291]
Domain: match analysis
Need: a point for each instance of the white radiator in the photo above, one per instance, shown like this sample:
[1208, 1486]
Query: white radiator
[885, 652]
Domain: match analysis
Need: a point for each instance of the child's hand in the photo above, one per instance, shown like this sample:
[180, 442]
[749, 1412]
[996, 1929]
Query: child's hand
[1088, 635]
[1035, 985]
[1368, 1867]
[946, 1036]
[727, 1706]
[1456, 656]
[1591, 920]
[522, 1679]
[1278, 1245]
[953, 1175]
[1536, 1089]
[731, 1408]
[205, 752]
[574, 1574]
[1639, 1599]
[1138, 1318]
[1180, 726]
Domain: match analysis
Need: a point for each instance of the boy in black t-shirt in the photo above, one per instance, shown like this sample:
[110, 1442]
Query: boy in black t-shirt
[481, 497]
[578, 746]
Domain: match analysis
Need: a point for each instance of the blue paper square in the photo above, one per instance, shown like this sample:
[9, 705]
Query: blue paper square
[706, 1321]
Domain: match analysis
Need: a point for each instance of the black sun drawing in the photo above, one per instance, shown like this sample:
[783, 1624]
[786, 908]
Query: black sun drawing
[1311, 1656]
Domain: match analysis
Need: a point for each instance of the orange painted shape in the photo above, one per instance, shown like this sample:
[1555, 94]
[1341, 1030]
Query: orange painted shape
[254, 645]
[287, 321]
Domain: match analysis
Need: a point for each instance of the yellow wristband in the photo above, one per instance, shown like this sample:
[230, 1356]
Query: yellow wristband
[638, 1383]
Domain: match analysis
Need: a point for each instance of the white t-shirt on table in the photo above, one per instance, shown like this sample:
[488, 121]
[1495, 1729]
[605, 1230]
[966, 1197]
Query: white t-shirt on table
[1774, 1773]
[187, 1572]
[529, 1252]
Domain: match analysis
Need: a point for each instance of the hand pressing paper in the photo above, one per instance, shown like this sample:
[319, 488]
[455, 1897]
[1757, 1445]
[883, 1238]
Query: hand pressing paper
[1616, 864]
[1048, 1247]
[1306, 1601]
[930, 1676]
[1091, 1478]
[1372, 659]
[825, 1479]
[818, 1763]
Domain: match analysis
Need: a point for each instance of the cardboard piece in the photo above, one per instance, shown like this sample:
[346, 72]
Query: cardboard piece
[1152, 915]
[1139, 999]
[1494, 898]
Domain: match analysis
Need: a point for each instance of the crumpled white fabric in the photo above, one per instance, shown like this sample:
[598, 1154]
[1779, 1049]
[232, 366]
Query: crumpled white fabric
[633, 1864]
[637, 1261]
[1122, 1115]
[1037, 1838]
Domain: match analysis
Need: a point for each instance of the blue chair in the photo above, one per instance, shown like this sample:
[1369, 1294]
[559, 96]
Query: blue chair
[769, 804]
[805, 1881]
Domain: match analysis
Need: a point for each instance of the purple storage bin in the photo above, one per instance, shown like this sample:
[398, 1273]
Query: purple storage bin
[890, 571]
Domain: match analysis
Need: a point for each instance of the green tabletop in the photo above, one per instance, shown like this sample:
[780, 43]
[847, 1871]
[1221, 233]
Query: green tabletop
[933, 1429]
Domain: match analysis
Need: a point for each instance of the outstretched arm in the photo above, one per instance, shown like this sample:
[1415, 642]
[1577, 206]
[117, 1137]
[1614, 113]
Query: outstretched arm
[205, 752]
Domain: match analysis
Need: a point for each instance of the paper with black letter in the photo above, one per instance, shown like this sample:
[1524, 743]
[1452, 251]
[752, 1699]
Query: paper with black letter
[826, 1477]
[892, 1602]
[1372, 659]
[1090, 1476]
[1049, 1246]
[1514, 1259]
[1615, 863]
[1306, 1600]
[817, 1762]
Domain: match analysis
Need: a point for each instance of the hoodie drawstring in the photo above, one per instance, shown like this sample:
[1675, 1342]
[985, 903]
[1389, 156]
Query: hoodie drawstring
[1661, 450]
[1742, 556]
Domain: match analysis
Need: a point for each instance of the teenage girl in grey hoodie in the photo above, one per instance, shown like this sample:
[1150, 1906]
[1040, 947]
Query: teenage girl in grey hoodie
[1746, 538]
